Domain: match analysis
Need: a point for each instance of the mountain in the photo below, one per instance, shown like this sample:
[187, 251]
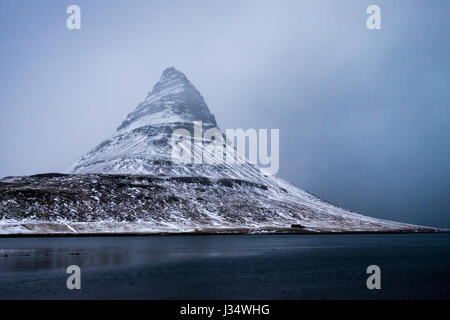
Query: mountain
[131, 184]
[142, 143]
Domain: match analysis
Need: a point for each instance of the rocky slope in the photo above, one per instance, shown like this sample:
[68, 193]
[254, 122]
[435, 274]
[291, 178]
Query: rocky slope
[94, 203]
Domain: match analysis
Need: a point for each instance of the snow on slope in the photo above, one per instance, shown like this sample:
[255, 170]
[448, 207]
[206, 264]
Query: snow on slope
[130, 184]
[100, 203]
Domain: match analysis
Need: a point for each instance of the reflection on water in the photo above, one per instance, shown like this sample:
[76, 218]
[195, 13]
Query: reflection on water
[33, 254]
[26, 254]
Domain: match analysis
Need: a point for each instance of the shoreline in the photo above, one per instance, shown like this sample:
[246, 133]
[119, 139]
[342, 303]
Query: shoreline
[229, 232]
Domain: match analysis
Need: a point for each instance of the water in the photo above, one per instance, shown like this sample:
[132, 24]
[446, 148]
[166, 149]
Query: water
[415, 266]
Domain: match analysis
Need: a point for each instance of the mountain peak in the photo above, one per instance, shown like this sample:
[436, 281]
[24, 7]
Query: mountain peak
[143, 138]
[174, 99]
[173, 77]
[170, 73]
[172, 81]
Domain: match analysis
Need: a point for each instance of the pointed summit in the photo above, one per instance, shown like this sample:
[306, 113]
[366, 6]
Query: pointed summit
[174, 99]
[171, 81]
[172, 73]
[142, 141]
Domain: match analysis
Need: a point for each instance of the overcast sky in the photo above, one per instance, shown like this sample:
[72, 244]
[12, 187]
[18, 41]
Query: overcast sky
[363, 115]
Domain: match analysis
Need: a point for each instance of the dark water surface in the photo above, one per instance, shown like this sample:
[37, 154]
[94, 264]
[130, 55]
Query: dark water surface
[414, 266]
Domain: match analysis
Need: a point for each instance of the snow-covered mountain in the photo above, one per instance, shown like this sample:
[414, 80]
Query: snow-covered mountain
[142, 143]
[129, 183]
